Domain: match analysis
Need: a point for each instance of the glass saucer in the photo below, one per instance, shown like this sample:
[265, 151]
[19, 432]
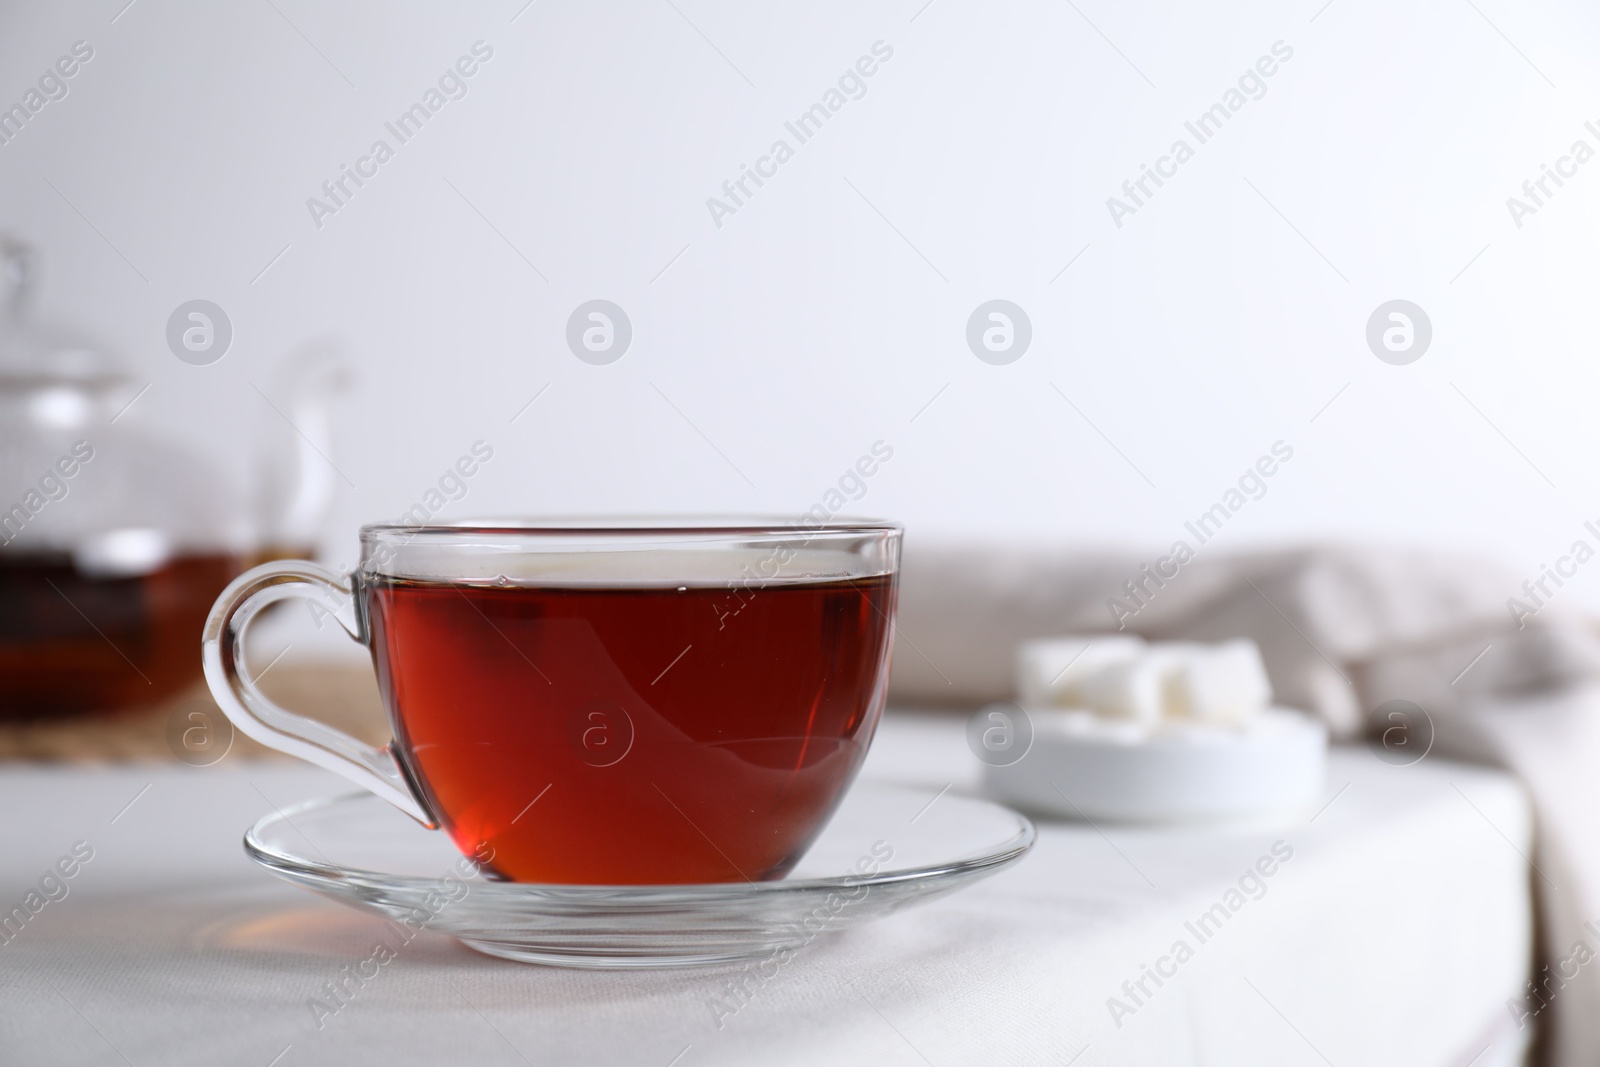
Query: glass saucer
[886, 848]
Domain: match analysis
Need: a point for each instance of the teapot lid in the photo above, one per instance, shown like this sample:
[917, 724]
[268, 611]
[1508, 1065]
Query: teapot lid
[32, 355]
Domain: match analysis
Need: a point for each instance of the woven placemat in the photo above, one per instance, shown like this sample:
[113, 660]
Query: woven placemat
[342, 696]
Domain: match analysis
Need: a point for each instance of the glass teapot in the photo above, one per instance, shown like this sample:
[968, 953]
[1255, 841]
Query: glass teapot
[114, 540]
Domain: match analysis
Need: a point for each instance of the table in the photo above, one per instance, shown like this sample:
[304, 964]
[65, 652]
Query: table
[1394, 933]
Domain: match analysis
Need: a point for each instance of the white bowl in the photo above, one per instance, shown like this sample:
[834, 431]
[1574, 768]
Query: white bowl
[1084, 767]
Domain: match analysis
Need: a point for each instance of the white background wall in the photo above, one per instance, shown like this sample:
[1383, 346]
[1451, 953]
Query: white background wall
[807, 327]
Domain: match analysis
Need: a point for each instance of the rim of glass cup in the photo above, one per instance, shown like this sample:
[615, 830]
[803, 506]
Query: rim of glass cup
[690, 549]
[635, 525]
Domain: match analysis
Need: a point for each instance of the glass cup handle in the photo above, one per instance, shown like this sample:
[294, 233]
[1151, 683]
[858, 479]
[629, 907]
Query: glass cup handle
[222, 650]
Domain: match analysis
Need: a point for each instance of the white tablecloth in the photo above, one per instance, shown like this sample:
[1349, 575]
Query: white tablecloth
[1394, 935]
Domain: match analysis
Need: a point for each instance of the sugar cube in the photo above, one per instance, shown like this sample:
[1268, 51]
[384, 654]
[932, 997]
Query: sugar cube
[1048, 670]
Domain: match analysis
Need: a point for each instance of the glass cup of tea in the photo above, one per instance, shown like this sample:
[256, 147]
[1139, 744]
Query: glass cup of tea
[599, 703]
